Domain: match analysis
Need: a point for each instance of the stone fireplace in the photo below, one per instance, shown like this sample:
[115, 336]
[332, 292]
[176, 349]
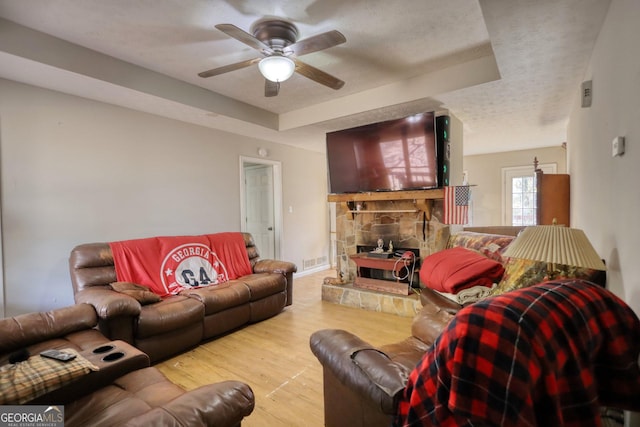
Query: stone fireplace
[411, 220]
[410, 225]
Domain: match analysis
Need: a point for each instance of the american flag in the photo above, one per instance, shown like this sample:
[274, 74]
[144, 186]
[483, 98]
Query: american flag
[456, 205]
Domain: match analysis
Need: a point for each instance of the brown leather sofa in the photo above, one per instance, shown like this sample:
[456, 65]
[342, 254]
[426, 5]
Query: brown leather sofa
[179, 322]
[124, 391]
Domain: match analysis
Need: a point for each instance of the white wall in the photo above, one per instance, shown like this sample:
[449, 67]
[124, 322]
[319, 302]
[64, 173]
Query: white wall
[76, 171]
[605, 195]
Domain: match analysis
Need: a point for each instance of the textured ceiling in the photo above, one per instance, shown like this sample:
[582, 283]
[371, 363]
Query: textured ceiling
[508, 69]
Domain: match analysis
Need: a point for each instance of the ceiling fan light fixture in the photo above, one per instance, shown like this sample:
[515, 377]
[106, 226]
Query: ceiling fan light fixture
[276, 68]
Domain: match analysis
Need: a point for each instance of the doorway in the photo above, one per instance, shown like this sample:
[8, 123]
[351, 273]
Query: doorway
[261, 204]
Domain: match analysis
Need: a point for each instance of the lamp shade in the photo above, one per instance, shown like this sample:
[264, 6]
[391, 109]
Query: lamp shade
[555, 244]
[276, 68]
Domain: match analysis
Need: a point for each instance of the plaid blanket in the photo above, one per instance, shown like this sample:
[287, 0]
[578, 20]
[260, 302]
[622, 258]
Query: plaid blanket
[546, 355]
[36, 376]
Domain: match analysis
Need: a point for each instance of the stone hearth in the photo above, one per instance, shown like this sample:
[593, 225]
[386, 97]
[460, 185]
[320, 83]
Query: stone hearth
[400, 305]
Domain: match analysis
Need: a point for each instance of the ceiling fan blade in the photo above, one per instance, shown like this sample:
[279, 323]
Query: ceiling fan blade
[246, 38]
[230, 67]
[317, 42]
[317, 75]
[271, 88]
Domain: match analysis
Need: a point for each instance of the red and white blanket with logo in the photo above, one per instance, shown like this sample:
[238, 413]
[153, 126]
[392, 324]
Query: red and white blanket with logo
[168, 265]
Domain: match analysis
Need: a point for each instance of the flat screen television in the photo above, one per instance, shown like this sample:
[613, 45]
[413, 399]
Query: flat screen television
[387, 156]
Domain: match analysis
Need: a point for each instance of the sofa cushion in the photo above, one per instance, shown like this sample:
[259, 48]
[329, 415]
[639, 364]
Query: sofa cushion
[264, 284]
[521, 273]
[490, 245]
[171, 313]
[129, 396]
[141, 293]
[452, 270]
[220, 297]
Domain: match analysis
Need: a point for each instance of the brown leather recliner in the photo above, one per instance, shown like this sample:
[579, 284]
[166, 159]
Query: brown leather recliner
[179, 322]
[361, 382]
[125, 390]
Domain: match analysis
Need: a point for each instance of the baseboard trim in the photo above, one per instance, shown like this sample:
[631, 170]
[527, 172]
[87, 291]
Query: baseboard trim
[315, 269]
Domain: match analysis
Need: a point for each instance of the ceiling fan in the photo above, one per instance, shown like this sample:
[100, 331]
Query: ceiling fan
[276, 41]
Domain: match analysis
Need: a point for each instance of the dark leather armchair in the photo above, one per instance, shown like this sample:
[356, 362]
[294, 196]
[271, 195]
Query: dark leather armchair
[362, 383]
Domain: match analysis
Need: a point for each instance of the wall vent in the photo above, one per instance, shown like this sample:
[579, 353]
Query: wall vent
[587, 93]
[322, 260]
[308, 263]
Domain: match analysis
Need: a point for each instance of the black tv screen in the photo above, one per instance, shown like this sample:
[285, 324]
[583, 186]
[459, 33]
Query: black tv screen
[387, 156]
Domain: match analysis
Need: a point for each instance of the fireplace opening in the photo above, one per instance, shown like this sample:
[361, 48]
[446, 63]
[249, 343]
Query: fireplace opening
[407, 272]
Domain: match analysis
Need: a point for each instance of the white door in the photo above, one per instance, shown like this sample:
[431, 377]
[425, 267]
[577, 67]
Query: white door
[259, 203]
[519, 194]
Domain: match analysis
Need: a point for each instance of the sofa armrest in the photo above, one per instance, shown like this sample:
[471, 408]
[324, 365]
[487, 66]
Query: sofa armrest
[280, 267]
[220, 404]
[360, 367]
[389, 376]
[274, 266]
[108, 303]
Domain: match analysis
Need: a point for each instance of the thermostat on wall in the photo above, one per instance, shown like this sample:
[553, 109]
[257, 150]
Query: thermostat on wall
[617, 146]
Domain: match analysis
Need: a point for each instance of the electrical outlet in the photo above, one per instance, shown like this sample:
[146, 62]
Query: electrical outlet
[617, 146]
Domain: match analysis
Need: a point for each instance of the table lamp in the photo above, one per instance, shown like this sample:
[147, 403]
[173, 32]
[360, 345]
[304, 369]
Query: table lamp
[555, 244]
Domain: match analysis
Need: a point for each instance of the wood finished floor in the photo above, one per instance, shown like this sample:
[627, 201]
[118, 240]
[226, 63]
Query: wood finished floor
[274, 357]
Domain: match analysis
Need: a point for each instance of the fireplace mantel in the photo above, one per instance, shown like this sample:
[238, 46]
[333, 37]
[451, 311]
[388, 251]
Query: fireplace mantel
[423, 199]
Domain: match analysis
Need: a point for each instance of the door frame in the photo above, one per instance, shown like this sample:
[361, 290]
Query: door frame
[276, 167]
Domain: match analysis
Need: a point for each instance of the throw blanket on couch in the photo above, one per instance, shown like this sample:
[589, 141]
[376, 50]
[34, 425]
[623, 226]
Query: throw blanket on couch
[168, 265]
[547, 355]
[452, 270]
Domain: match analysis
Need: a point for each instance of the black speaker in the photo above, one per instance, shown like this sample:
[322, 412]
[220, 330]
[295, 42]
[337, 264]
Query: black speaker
[443, 150]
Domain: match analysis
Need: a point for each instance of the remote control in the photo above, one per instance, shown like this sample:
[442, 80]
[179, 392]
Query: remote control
[58, 355]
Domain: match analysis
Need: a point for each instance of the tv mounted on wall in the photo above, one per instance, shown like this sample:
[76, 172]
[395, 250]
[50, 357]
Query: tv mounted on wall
[387, 156]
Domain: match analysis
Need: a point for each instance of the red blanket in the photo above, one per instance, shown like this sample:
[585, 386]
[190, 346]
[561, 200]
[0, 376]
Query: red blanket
[452, 270]
[546, 355]
[167, 265]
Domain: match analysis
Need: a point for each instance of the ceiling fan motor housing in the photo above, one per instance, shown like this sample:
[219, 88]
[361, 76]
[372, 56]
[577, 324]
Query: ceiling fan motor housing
[275, 33]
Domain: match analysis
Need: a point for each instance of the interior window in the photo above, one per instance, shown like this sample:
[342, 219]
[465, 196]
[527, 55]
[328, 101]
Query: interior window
[519, 194]
[523, 200]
